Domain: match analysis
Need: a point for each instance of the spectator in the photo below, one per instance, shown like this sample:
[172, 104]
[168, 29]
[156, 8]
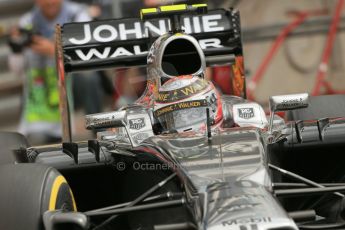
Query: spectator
[40, 118]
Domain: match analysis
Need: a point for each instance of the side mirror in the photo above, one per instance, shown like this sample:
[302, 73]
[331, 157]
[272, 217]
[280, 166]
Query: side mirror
[286, 102]
[135, 120]
[105, 120]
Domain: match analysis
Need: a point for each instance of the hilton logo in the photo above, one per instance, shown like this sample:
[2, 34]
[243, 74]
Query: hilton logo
[246, 113]
[137, 123]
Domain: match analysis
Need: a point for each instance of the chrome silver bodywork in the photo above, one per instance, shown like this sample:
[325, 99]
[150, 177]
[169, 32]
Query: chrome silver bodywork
[225, 177]
[227, 182]
[222, 172]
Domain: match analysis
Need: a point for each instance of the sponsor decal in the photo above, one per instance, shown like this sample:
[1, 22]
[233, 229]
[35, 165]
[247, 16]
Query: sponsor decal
[109, 52]
[103, 120]
[231, 208]
[134, 29]
[105, 39]
[292, 103]
[249, 227]
[137, 123]
[180, 106]
[182, 93]
[238, 196]
[86, 54]
[246, 113]
[247, 221]
[140, 137]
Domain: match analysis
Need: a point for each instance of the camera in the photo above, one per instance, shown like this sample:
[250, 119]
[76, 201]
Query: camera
[21, 40]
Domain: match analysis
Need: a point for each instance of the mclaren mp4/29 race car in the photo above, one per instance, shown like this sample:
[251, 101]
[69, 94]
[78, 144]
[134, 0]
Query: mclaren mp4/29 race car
[184, 156]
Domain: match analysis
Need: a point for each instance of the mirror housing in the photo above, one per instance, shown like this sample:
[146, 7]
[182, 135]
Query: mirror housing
[289, 102]
[136, 120]
[286, 102]
[105, 120]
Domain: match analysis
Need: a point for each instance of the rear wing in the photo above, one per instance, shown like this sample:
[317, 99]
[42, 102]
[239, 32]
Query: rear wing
[125, 42]
[120, 43]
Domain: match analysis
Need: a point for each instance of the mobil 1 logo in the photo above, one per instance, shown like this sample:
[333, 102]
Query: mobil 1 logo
[248, 223]
[246, 113]
[137, 123]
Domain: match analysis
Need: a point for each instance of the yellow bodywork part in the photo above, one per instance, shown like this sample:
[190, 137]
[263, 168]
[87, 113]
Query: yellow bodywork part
[170, 8]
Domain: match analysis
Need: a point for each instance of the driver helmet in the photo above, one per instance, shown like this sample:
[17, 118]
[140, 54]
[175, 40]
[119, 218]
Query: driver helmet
[182, 102]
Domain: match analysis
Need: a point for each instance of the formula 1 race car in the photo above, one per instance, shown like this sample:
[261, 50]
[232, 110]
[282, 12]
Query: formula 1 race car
[184, 156]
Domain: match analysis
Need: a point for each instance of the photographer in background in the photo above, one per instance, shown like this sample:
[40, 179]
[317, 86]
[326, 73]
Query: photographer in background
[33, 47]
